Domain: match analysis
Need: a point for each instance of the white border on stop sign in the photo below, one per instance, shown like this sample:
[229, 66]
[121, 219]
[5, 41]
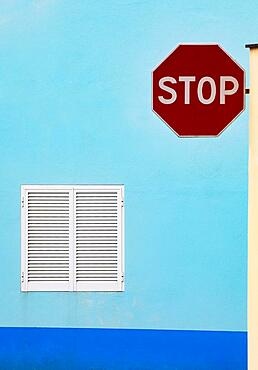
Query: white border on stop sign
[198, 44]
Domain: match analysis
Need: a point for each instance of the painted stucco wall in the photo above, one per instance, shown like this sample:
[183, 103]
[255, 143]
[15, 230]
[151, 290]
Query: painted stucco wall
[75, 107]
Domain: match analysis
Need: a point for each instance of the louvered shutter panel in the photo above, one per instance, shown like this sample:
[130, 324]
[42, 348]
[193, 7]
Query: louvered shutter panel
[47, 239]
[99, 238]
[72, 238]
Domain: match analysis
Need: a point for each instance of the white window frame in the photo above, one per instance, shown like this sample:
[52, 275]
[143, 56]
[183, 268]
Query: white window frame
[72, 286]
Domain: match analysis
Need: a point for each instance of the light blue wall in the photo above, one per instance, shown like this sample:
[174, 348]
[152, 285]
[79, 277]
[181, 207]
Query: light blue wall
[75, 107]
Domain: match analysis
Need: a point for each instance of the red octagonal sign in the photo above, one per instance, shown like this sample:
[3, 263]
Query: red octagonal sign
[198, 90]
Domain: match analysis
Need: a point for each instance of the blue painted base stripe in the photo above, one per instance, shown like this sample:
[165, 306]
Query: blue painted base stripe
[98, 349]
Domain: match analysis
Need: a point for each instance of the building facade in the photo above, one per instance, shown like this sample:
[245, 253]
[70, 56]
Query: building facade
[75, 103]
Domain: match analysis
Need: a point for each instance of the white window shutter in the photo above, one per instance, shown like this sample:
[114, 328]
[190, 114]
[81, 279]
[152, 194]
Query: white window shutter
[72, 238]
[99, 238]
[46, 239]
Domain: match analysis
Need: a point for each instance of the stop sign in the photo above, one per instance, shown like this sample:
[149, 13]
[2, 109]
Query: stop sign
[198, 90]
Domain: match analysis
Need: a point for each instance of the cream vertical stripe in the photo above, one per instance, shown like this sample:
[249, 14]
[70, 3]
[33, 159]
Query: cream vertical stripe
[253, 216]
